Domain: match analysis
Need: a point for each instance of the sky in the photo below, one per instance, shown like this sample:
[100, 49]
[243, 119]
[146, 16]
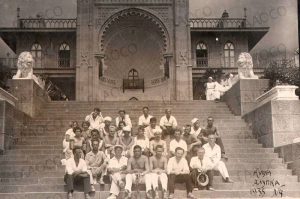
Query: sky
[279, 15]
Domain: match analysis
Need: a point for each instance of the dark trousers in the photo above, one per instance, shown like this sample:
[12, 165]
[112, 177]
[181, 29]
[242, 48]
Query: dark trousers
[195, 173]
[70, 180]
[181, 178]
[218, 142]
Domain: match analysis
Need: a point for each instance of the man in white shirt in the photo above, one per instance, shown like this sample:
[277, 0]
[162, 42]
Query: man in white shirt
[70, 133]
[95, 119]
[201, 164]
[195, 129]
[177, 142]
[168, 124]
[149, 130]
[178, 171]
[117, 167]
[76, 170]
[123, 117]
[213, 152]
[144, 120]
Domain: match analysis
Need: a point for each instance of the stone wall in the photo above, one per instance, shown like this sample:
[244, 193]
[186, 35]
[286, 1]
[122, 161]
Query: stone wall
[241, 98]
[11, 123]
[275, 123]
[31, 97]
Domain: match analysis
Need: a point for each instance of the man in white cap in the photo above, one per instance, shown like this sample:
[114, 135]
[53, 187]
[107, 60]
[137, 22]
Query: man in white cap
[195, 129]
[104, 129]
[95, 119]
[117, 168]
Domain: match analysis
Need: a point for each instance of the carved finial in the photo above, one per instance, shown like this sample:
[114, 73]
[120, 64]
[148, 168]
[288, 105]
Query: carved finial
[245, 13]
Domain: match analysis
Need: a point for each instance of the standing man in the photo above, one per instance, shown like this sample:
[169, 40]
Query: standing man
[117, 168]
[213, 152]
[76, 171]
[158, 168]
[96, 162]
[168, 124]
[178, 171]
[201, 164]
[144, 120]
[95, 119]
[137, 169]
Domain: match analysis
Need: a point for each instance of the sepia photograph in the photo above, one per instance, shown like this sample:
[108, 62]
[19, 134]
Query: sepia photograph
[149, 99]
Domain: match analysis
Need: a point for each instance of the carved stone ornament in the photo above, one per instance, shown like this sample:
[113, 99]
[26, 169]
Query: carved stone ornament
[245, 66]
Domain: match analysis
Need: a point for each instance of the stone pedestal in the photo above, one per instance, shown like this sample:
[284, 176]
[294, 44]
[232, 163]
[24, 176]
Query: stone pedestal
[31, 97]
[241, 97]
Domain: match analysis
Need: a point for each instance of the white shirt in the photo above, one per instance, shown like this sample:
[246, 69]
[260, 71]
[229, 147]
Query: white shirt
[94, 123]
[149, 131]
[195, 133]
[126, 119]
[181, 167]
[70, 133]
[117, 164]
[71, 166]
[196, 163]
[214, 154]
[174, 144]
[165, 122]
[144, 121]
[144, 143]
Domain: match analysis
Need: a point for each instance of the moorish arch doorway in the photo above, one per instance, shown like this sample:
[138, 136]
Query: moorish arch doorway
[134, 38]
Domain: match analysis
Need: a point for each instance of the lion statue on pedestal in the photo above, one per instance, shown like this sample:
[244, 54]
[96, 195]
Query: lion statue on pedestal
[245, 66]
[25, 69]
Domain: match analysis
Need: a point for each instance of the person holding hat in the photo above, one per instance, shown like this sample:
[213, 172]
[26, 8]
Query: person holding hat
[95, 119]
[126, 141]
[117, 168]
[104, 129]
[123, 117]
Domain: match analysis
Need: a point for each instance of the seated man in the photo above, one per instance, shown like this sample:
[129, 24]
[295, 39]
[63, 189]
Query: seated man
[142, 141]
[96, 162]
[178, 142]
[158, 141]
[201, 164]
[95, 119]
[76, 171]
[158, 169]
[195, 129]
[117, 167]
[126, 141]
[104, 127]
[123, 117]
[144, 120]
[168, 124]
[110, 141]
[213, 152]
[210, 129]
[70, 132]
[192, 142]
[137, 169]
[149, 130]
[95, 135]
[178, 171]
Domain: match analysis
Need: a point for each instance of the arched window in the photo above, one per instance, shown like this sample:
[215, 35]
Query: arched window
[133, 75]
[229, 54]
[36, 51]
[64, 56]
[201, 55]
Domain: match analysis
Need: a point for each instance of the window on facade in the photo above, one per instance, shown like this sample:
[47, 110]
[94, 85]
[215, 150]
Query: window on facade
[229, 54]
[201, 55]
[64, 55]
[133, 75]
[36, 51]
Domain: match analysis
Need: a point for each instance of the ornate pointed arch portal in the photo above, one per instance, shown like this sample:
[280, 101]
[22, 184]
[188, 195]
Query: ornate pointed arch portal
[133, 39]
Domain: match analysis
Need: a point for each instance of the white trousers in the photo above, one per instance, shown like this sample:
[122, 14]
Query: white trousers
[221, 167]
[130, 178]
[154, 177]
[116, 179]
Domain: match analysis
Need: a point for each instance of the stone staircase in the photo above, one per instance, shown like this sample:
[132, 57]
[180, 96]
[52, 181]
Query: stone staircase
[32, 168]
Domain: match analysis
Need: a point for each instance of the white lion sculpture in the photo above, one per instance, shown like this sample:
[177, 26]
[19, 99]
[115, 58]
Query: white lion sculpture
[25, 69]
[245, 66]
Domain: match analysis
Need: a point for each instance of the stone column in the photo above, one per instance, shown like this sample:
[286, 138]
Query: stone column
[182, 51]
[85, 60]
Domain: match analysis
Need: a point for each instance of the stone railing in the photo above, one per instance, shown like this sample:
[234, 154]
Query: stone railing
[47, 23]
[219, 23]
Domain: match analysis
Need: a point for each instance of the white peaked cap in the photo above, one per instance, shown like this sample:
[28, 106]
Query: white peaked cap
[126, 128]
[107, 119]
[194, 120]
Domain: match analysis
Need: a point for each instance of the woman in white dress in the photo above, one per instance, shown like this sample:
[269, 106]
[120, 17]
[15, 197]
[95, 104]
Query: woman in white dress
[211, 92]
